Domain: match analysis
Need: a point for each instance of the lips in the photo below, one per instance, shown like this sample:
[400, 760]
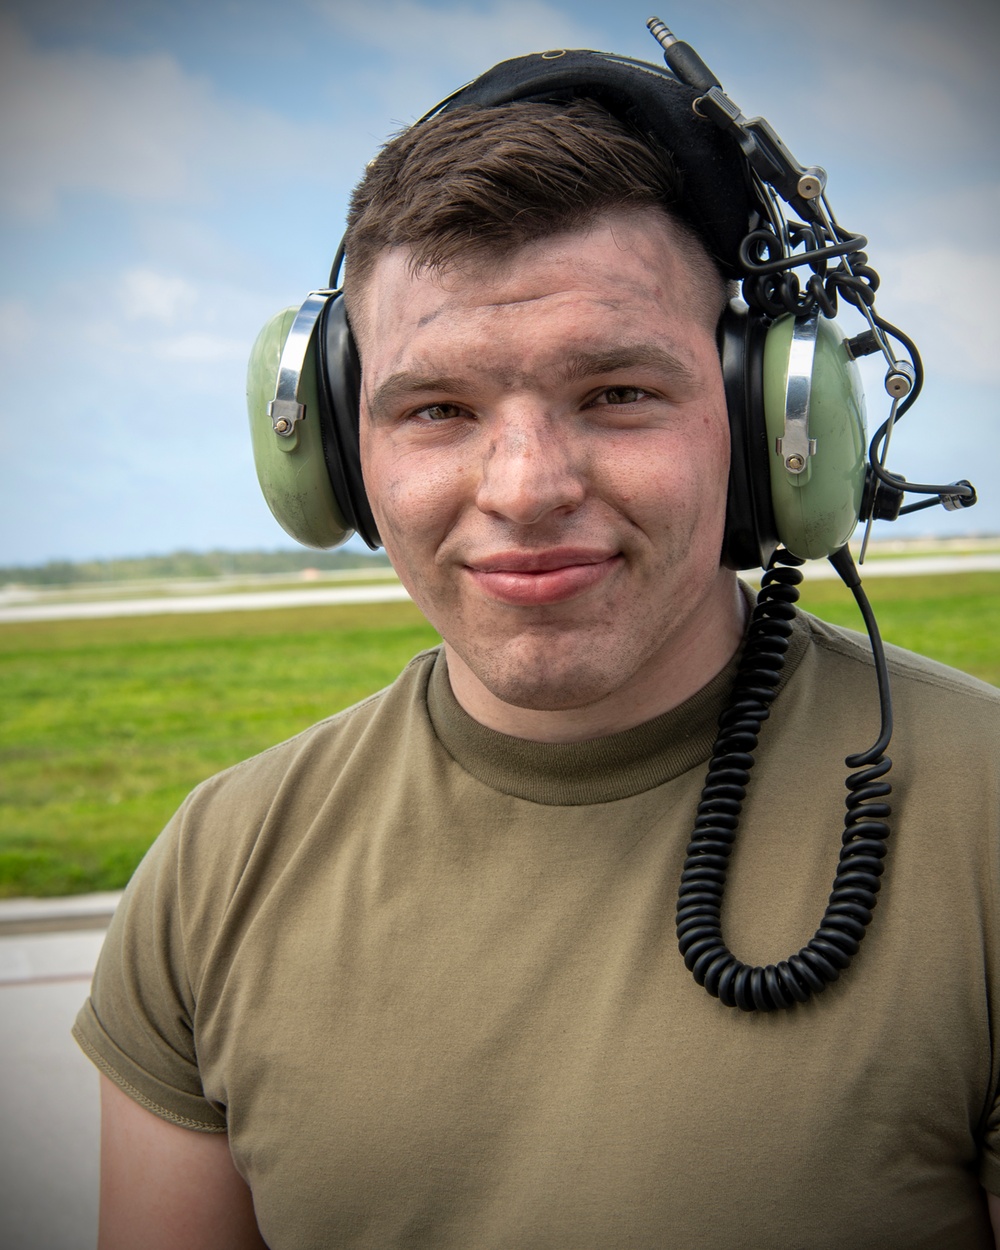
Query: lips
[535, 578]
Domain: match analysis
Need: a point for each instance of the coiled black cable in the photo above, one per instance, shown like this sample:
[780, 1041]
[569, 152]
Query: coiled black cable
[856, 884]
[773, 288]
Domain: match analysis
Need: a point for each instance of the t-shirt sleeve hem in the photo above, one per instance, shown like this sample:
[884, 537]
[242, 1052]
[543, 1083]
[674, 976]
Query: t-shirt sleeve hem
[188, 1112]
[989, 1174]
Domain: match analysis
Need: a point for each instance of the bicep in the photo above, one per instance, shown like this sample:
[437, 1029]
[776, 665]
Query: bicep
[164, 1187]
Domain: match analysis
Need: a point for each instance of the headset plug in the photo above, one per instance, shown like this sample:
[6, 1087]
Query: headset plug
[863, 344]
[682, 58]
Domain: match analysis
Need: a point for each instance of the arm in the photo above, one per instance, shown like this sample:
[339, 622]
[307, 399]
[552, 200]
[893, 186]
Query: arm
[166, 1188]
[994, 1205]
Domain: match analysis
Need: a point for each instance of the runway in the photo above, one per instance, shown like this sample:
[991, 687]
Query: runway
[325, 596]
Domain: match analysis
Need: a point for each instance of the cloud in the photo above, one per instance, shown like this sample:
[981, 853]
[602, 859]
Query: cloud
[945, 297]
[134, 127]
[456, 34]
[424, 51]
[132, 336]
[898, 80]
[19, 326]
[148, 295]
[202, 349]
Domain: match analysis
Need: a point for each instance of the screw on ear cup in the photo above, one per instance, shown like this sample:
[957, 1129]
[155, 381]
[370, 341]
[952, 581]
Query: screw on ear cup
[292, 468]
[751, 534]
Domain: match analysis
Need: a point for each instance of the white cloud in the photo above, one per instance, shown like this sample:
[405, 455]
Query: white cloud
[19, 326]
[148, 295]
[202, 349]
[945, 297]
[458, 33]
[898, 81]
[126, 335]
[426, 51]
[134, 127]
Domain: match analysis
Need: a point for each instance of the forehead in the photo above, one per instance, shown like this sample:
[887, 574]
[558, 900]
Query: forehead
[623, 265]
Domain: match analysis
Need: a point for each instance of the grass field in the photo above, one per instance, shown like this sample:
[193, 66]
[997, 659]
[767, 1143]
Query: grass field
[105, 725]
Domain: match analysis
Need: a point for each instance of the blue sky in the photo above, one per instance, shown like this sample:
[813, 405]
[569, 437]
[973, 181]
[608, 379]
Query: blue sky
[173, 173]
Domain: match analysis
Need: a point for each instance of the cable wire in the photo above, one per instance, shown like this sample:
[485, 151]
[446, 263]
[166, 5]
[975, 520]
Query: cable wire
[832, 947]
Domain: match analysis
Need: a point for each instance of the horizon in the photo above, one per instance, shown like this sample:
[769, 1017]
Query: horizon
[877, 544]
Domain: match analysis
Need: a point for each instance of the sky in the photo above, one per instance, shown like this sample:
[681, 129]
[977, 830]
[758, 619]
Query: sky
[172, 172]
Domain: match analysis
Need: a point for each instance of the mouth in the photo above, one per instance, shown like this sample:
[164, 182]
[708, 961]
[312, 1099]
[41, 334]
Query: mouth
[536, 578]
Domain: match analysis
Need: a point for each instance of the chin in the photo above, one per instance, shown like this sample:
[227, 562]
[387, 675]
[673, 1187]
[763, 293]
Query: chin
[546, 685]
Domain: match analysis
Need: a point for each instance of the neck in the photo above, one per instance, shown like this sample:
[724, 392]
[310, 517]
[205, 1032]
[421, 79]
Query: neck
[687, 662]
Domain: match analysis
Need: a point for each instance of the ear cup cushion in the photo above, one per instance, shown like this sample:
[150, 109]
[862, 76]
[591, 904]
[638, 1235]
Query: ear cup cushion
[751, 532]
[340, 407]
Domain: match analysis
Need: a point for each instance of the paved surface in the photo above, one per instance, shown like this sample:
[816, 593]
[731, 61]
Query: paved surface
[238, 601]
[911, 566]
[49, 1118]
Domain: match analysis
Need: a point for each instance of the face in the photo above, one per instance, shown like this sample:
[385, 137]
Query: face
[546, 451]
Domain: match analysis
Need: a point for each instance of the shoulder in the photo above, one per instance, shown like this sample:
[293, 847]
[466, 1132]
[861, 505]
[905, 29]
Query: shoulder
[939, 713]
[369, 726]
[265, 807]
[846, 649]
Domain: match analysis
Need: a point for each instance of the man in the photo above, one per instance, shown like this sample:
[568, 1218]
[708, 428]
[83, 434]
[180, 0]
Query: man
[411, 978]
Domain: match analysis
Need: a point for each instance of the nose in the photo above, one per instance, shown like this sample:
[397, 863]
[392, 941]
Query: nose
[531, 470]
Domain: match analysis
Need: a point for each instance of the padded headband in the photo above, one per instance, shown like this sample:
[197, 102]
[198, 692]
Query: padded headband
[717, 200]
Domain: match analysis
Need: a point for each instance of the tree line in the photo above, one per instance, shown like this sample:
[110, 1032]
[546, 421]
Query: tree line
[187, 564]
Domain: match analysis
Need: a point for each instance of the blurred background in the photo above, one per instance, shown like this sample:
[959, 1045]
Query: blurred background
[173, 173]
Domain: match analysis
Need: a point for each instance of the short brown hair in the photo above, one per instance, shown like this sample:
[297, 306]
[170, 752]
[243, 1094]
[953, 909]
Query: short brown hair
[472, 185]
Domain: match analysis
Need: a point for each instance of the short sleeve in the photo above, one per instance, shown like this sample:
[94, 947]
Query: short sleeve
[138, 1024]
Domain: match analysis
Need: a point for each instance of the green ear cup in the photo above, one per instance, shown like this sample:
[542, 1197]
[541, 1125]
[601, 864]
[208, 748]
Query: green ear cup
[815, 509]
[291, 468]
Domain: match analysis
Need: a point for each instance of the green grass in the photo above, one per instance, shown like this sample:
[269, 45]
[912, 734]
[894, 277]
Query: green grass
[106, 724]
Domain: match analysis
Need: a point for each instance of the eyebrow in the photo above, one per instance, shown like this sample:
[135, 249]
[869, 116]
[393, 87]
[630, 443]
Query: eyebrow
[409, 382]
[576, 366]
[582, 364]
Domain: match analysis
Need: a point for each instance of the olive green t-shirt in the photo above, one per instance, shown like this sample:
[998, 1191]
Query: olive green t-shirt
[426, 977]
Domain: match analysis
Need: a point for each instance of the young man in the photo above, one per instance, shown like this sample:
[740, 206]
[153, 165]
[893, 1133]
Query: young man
[411, 978]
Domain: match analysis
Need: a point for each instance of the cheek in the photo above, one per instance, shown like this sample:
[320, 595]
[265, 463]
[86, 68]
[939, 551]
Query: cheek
[382, 485]
[415, 497]
[706, 455]
[684, 470]
[718, 436]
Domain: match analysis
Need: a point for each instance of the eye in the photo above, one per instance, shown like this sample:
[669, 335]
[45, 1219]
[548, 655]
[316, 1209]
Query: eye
[440, 412]
[621, 395]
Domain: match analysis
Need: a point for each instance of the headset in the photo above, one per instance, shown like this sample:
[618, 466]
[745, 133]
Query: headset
[802, 472]
[800, 475]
